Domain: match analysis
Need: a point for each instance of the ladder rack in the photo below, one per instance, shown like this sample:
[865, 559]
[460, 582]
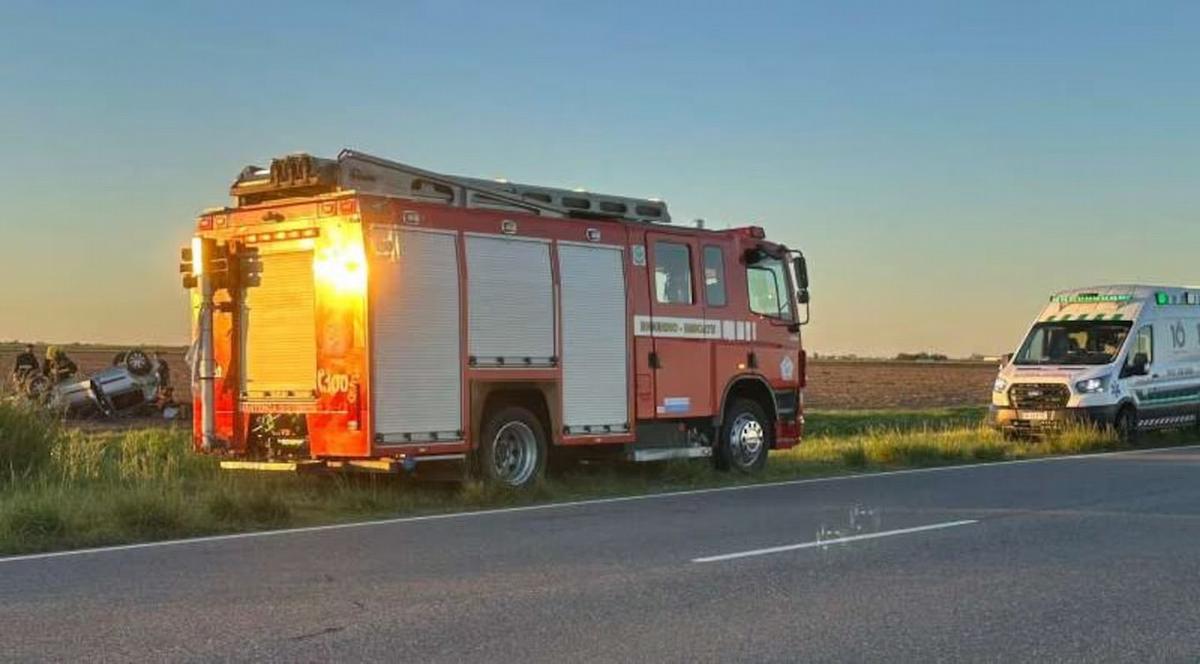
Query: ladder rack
[304, 175]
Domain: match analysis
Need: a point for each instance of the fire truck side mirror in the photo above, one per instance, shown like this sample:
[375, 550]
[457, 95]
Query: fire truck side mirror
[801, 268]
[252, 266]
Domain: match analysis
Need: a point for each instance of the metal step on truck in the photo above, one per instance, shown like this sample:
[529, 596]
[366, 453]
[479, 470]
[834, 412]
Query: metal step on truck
[359, 313]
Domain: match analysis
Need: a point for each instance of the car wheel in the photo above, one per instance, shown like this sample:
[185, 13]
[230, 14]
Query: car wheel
[745, 438]
[37, 388]
[1125, 424]
[138, 363]
[512, 451]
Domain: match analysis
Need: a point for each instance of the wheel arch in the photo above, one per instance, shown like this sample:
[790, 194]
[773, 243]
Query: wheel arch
[750, 386]
[540, 398]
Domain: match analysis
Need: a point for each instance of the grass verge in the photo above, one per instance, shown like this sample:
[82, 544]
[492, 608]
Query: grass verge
[68, 489]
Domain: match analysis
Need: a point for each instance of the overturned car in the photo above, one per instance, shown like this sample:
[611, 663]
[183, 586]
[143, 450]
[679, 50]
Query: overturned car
[137, 383]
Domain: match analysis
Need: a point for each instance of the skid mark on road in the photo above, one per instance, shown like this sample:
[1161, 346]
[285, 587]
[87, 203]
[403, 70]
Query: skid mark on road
[827, 542]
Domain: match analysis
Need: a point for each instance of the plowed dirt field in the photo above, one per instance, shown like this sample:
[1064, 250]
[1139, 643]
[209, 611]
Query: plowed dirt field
[832, 385]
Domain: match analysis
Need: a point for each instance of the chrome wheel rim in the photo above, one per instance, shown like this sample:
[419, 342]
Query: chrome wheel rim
[746, 439]
[514, 453]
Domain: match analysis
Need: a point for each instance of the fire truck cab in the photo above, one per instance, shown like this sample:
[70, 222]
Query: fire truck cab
[361, 313]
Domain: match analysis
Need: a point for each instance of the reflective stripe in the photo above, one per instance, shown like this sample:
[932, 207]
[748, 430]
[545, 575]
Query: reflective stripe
[694, 328]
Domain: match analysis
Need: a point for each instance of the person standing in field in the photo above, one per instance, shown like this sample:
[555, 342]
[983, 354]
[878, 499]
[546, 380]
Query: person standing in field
[26, 366]
[58, 366]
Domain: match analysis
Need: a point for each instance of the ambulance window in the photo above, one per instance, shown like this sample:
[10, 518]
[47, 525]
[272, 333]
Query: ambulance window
[1143, 344]
[673, 272]
[767, 281]
[714, 276]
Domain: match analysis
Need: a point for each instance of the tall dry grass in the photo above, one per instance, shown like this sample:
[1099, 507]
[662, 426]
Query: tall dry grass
[888, 446]
[63, 488]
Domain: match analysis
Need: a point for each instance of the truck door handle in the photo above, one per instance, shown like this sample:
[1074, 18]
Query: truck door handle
[654, 361]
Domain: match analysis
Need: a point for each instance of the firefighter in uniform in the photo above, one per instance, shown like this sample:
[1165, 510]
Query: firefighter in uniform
[58, 366]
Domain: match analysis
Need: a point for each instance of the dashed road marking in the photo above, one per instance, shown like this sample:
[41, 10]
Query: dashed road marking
[840, 540]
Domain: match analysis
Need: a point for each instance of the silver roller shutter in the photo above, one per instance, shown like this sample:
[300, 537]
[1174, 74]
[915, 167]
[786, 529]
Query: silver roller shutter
[415, 341]
[279, 330]
[511, 301]
[595, 381]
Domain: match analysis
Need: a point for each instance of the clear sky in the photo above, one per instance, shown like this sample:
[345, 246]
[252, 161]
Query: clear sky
[945, 165]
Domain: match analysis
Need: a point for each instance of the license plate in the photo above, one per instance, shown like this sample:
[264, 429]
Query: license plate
[1033, 415]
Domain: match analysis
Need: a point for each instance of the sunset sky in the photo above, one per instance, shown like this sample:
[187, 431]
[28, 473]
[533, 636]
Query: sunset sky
[944, 165]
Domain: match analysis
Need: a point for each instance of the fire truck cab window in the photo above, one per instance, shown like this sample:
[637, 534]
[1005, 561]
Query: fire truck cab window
[673, 273]
[767, 282]
[714, 276]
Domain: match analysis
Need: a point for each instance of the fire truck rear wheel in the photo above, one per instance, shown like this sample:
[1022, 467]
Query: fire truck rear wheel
[745, 438]
[512, 452]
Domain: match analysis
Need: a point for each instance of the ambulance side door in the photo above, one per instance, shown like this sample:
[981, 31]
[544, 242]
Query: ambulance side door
[681, 336]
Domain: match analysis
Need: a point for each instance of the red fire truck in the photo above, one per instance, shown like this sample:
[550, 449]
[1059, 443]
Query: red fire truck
[359, 313]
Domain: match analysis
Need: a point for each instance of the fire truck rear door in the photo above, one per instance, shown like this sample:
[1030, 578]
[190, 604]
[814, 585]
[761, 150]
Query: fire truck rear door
[279, 330]
[682, 336]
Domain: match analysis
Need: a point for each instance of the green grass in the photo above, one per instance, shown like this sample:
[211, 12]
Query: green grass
[63, 488]
[852, 422]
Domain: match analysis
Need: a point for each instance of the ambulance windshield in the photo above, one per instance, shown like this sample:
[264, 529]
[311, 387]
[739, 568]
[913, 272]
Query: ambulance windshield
[1073, 342]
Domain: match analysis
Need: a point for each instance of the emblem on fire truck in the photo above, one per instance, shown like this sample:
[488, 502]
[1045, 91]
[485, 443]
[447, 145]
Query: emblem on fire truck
[787, 368]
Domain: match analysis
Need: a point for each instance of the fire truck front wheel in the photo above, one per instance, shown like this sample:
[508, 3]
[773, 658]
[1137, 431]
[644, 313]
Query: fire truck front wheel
[745, 438]
[512, 452]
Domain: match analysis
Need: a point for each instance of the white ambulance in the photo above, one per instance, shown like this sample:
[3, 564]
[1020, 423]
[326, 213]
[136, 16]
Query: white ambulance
[1125, 356]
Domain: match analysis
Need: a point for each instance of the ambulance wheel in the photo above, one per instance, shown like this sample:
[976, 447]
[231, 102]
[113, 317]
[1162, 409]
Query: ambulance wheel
[745, 438]
[1125, 424]
[512, 452]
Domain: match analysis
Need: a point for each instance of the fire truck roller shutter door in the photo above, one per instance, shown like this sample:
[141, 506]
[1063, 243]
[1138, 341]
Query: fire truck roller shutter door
[279, 329]
[511, 301]
[595, 383]
[415, 339]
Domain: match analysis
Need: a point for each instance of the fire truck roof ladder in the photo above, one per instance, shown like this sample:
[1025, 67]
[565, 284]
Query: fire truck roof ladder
[304, 175]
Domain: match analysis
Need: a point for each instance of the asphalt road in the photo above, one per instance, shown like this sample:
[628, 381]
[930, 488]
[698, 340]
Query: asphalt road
[1085, 559]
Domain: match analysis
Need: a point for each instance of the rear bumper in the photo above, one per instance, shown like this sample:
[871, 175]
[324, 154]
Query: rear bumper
[1010, 419]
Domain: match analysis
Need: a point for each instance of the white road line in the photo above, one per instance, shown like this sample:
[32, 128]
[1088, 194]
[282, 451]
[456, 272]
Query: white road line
[839, 540]
[566, 504]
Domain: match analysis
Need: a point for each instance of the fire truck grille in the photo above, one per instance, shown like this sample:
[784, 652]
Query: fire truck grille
[1039, 396]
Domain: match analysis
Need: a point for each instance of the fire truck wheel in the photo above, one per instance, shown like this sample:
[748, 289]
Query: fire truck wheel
[745, 438]
[512, 452]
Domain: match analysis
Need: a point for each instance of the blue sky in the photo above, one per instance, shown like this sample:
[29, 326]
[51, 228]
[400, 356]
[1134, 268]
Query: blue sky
[945, 165]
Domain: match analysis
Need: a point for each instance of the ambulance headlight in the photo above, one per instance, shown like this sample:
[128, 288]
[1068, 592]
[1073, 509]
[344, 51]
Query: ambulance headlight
[1092, 385]
[999, 386]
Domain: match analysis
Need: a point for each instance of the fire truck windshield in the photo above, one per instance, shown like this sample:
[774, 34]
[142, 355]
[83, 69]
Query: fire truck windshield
[769, 288]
